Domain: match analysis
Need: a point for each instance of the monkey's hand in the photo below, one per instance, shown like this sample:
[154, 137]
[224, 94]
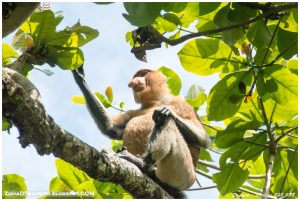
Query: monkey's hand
[161, 115]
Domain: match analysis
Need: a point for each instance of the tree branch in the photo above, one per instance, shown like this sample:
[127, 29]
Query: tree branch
[36, 127]
[14, 14]
[272, 10]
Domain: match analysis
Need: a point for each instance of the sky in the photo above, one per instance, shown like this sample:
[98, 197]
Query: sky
[108, 62]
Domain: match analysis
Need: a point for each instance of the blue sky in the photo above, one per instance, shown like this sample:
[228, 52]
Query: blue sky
[108, 62]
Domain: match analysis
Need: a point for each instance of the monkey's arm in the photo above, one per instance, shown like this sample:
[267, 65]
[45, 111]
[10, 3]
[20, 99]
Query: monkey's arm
[193, 134]
[96, 109]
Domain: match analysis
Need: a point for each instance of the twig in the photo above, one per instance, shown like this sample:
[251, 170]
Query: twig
[209, 126]
[203, 188]
[255, 193]
[285, 134]
[270, 42]
[261, 145]
[203, 174]
[270, 12]
[280, 55]
[209, 164]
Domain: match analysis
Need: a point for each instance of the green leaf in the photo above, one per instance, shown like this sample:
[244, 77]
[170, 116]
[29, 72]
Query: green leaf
[287, 43]
[59, 16]
[70, 175]
[239, 12]
[7, 54]
[281, 84]
[78, 100]
[234, 132]
[207, 56]
[122, 105]
[293, 66]
[13, 187]
[76, 36]
[231, 36]
[207, 7]
[282, 112]
[109, 94]
[141, 14]
[116, 144]
[286, 173]
[173, 80]
[167, 23]
[220, 105]
[6, 125]
[290, 22]
[129, 38]
[57, 185]
[66, 58]
[40, 25]
[196, 96]
[189, 14]
[231, 177]
[103, 100]
[174, 7]
[259, 35]
[242, 151]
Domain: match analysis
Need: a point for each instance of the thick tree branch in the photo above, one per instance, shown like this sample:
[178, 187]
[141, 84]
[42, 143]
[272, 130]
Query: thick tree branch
[272, 10]
[14, 14]
[36, 127]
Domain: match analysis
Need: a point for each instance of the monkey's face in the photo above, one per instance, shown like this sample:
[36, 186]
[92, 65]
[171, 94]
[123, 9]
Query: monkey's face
[148, 86]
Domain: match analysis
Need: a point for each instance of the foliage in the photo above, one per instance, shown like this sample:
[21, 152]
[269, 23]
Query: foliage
[257, 93]
[74, 183]
[256, 97]
[13, 187]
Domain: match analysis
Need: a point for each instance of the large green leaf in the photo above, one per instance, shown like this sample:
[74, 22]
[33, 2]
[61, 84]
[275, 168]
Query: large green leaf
[231, 177]
[286, 173]
[234, 132]
[189, 14]
[225, 98]
[240, 12]
[40, 25]
[241, 151]
[259, 35]
[281, 84]
[141, 14]
[70, 175]
[207, 56]
[290, 22]
[208, 7]
[287, 43]
[221, 20]
[280, 112]
[196, 96]
[167, 23]
[65, 58]
[76, 36]
[173, 80]
[13, 187]
[57, 185]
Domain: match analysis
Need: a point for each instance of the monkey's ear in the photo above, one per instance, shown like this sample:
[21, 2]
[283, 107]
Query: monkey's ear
[141, 55]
